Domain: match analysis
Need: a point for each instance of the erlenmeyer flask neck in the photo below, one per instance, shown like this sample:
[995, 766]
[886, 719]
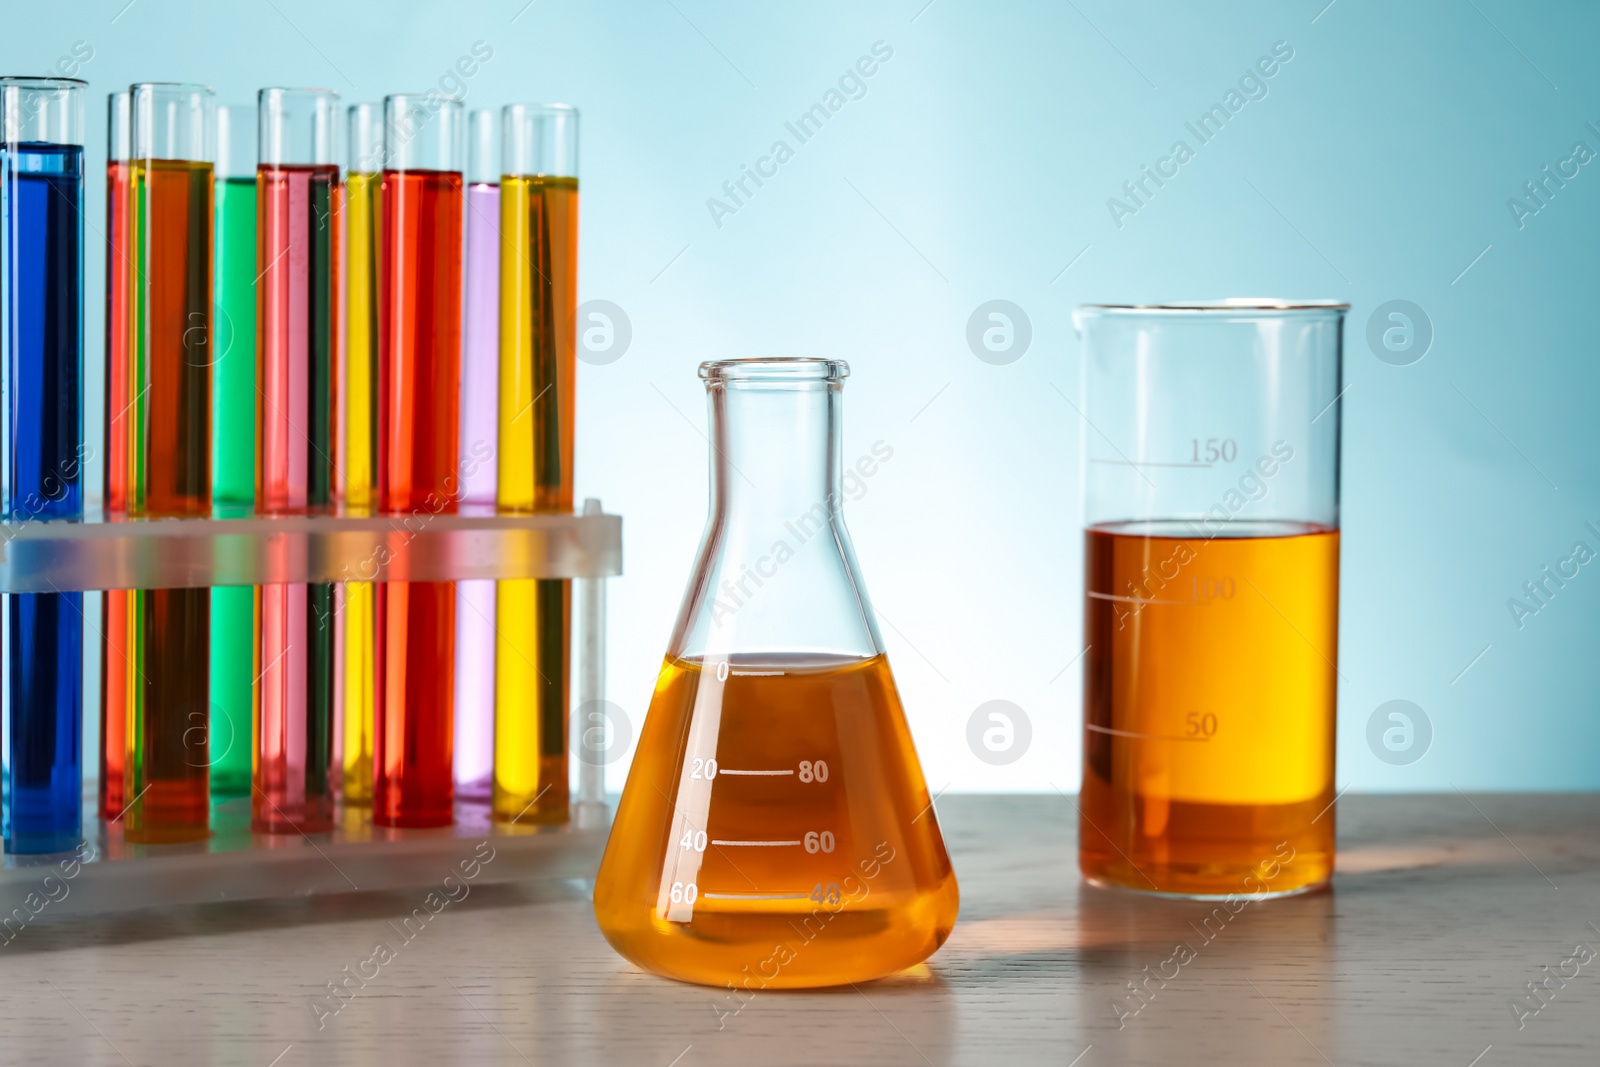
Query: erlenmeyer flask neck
[775, 449]
[776, 572]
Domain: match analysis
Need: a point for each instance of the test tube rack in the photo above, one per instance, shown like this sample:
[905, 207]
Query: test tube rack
[236, 864]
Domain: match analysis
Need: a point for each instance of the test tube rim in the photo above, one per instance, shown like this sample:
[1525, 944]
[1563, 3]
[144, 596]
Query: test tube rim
[37, 81]
[536, 109]
[196, 86]
[775, 369]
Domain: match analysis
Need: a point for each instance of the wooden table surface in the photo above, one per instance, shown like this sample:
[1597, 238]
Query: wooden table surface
[1443, 909]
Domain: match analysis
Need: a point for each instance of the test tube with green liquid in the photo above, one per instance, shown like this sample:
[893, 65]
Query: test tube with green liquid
[233, 383]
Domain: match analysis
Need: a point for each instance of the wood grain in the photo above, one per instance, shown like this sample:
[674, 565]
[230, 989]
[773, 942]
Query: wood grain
[1443, 908]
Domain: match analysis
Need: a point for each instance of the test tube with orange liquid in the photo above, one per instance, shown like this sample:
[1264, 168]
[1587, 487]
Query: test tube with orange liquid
[1211, 607]
[168, 424]
[419, 395]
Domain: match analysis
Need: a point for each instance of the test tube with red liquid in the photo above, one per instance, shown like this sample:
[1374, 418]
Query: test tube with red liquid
[296, 304]
[114, 647]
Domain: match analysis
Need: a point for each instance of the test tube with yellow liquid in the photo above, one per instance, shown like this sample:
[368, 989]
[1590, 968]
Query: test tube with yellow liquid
[1211, 609]
[360, 388]
[538, 377]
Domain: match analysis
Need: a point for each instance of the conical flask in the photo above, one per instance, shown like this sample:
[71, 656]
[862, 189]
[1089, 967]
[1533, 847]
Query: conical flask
[776, 831]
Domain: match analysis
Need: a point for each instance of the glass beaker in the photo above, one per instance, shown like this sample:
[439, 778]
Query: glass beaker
[775, 830]
[1211, 608]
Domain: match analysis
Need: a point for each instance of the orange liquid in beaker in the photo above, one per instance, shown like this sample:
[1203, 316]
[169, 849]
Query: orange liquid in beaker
[1209, 706]
[776, 830]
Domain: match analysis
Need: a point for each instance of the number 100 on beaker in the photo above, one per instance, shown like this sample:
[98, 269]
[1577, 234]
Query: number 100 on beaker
[1211, 595]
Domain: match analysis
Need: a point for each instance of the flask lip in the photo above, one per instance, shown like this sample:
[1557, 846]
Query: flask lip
[775, 370]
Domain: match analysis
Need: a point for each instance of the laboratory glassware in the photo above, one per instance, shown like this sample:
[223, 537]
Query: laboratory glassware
[42, 448]
[480, 387]
[297, 253]
[775, 830]
[233, 449]
[419, 386]
[363, 177]
[167, 777]
[1211, 578]
[115, 648]
[538, 398]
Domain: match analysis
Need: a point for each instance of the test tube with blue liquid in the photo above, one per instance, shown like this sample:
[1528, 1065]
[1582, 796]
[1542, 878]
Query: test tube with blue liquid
[41, 450]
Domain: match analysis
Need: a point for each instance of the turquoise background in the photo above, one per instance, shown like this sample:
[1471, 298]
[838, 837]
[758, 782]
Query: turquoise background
[978, 166]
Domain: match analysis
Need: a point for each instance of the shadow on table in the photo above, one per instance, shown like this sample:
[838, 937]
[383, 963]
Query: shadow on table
[907, 1017]
[1200, 981]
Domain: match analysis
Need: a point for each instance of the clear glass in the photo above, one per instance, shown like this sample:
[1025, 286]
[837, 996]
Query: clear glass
[539, 139]
[299, 126]
[173, 120]
[483, 160]
[119, 125]
[365, 132]
[1211, 580]
[236, 141]
[42, 110]
[775, 830]
[423, 131]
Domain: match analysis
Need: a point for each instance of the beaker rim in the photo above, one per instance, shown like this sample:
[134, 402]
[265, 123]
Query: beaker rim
[1230, 304]
[774, 369]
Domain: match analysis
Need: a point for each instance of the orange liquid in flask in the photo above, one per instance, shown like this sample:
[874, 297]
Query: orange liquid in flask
[776, 831]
